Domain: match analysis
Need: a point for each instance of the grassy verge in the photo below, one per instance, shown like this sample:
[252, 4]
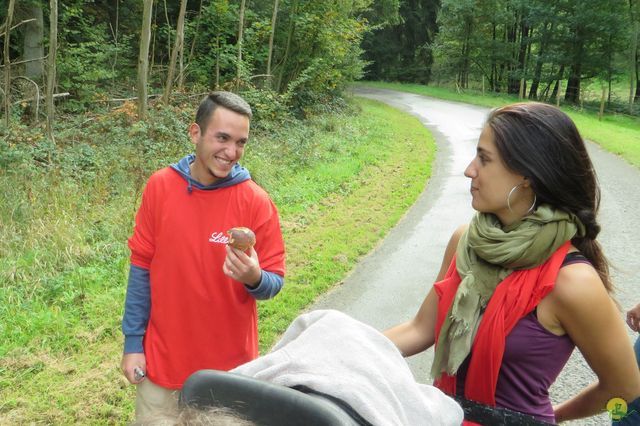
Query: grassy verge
[340, 182]
[619, 134]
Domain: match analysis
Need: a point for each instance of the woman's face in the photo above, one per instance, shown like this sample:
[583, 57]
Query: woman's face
[492, 181]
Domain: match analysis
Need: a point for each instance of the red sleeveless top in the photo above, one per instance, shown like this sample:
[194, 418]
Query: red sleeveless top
[515, 297]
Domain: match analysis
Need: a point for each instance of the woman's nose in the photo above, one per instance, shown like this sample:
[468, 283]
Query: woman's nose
[470, 171]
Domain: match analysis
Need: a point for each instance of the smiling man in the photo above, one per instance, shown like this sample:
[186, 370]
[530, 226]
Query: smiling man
[190, 300]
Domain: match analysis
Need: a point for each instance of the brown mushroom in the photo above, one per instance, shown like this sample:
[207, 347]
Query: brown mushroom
[241, 238]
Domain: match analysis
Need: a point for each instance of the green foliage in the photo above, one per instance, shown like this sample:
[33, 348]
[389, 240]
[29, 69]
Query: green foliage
[504, 42]
[401, 50]
[83, 66]
[215, 42]
[316, 49]
[324, 54]
[269, 107]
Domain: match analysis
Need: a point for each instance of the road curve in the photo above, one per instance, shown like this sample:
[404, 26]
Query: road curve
[389, 284]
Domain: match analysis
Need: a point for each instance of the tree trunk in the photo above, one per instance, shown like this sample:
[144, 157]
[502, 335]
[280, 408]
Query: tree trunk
[463, 73]
[572, 93]
[610, 70]
[195, 34]
[633, 63]
[240, 31]
[637, 96]
[51, 64]
[602, 102]
[166, 17]
[177, 48]
[181, 68]
[522, 58]
[274, 17]
[494, 68]
[7, 64]
[34, 44]
[115, 39]
[555, 93]
[292, 28]
[153, 41]
[217, 61]
[143, 58]
[533, 91]
[513, 83]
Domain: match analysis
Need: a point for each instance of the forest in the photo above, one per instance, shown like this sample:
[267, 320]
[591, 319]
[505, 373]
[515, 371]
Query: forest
[293, 56]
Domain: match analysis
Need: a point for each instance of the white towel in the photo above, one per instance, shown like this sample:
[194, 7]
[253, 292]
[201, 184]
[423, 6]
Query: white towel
[335, 354]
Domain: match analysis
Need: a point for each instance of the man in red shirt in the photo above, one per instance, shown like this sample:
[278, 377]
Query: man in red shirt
[190, 300]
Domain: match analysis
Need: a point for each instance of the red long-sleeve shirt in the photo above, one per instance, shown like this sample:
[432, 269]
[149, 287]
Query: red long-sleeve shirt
[200, 318]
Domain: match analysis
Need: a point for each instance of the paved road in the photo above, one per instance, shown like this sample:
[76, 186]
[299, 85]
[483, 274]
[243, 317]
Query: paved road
[389, 284]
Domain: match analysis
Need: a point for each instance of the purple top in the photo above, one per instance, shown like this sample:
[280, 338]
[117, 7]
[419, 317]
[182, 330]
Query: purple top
[533, 358]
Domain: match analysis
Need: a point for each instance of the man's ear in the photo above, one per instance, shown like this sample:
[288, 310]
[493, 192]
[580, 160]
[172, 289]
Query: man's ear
[194, 133]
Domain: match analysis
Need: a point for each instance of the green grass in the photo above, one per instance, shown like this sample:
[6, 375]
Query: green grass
[340, 182]
[619, 134]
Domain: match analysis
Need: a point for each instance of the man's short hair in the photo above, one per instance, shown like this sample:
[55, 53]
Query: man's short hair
[227, 100]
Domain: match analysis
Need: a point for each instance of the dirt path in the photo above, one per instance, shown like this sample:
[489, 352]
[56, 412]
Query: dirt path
[389, 284]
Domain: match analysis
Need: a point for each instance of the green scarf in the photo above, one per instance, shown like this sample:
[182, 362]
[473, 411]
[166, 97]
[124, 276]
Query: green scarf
[487, 253]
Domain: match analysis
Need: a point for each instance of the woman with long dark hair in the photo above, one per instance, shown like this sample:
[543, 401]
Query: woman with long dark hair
[526, 281]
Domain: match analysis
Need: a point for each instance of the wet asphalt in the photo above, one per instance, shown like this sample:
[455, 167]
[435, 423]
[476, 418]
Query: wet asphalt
[388, 285]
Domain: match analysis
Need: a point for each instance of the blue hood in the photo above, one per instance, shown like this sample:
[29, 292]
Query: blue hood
[238, 174]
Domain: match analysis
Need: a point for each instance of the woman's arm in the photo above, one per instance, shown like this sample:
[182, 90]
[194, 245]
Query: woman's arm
[591, 319]
[418, 334]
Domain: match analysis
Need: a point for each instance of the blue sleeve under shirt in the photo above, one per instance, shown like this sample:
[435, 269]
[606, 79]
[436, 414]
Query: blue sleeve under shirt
[137, 305]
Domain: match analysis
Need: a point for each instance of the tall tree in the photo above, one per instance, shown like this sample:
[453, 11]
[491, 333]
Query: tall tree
[240, 33]
[7, 63]
[287, 48]
[33, 52]
[595, 27]
[634, 56]
[274, 17]
[193, 41]
[143, 58]
[51, 64]
[542, 41]
[178, 48]
[400, 45]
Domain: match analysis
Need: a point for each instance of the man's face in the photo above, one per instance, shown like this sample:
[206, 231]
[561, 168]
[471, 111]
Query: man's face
[220, 146]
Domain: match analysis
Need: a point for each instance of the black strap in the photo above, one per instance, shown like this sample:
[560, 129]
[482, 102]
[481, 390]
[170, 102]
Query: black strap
[490, 416]
[339, 402]
[573, 257]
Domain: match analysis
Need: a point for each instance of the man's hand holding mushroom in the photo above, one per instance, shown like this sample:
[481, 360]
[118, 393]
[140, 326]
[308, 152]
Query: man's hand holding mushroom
[242, 263]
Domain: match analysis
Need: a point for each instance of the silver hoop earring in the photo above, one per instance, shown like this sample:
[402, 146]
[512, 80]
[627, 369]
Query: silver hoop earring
[535, 199]
[533, 205]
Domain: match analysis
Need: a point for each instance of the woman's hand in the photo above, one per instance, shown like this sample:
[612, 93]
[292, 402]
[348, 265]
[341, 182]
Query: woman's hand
[633, 318]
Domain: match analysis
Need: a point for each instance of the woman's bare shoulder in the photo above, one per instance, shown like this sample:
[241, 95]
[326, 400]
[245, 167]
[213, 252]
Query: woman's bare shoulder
[578, 286]
[451, 250]
[455, 237]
